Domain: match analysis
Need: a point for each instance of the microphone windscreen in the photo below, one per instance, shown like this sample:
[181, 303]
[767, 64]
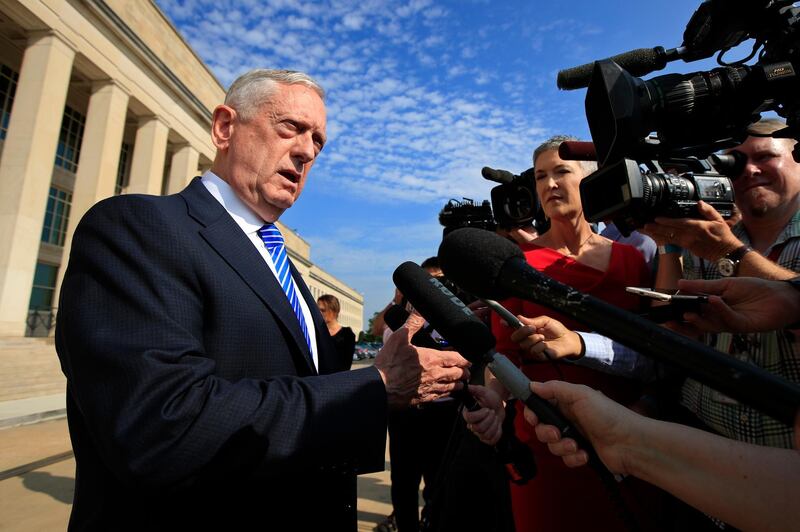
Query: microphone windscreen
[498, 176]
[444, 311]
[395, 317]
[472, 258]
[637, 62]
[576, 150]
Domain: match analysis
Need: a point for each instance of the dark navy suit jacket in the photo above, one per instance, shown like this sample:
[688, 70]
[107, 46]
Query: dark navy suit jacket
[191, 398]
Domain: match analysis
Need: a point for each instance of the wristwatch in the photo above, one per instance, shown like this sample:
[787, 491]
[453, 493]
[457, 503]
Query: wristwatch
[729, 264]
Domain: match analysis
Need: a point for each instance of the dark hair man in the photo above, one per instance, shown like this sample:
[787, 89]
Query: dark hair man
[765, 244]
[198, 392]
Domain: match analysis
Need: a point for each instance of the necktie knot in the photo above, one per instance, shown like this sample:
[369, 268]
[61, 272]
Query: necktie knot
[271, 236]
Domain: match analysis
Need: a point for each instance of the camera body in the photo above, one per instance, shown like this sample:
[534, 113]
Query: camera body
[466, 213]
[514, 201]
[631, 197]
[693, 115]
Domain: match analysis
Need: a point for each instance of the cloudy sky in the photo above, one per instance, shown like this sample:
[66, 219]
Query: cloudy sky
[421, 95]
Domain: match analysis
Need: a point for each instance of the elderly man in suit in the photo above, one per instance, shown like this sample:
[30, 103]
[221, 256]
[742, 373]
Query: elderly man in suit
[199, 391]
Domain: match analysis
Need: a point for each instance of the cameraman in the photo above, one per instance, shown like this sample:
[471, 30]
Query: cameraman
[765, 244]
[749, 486]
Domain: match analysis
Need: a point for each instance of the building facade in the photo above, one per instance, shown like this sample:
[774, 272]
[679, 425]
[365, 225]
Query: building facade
[97, 98]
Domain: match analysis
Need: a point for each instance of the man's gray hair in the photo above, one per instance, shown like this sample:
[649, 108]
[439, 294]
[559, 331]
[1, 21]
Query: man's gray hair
[553, 143]
[254, 88]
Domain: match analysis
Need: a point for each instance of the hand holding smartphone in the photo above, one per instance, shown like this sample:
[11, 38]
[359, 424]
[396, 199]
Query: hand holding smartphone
[678, 303]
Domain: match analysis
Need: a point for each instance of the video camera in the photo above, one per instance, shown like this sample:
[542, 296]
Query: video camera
[466, 213]
[514, 200]
[693, 115]
[514, 204]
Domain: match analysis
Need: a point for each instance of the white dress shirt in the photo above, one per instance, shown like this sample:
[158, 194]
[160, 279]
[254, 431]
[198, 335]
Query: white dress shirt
[250, 223]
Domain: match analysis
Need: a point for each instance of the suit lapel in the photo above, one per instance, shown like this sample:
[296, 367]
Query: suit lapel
[228, 240]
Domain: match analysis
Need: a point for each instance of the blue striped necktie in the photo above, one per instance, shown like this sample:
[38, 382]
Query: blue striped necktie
[273, 241]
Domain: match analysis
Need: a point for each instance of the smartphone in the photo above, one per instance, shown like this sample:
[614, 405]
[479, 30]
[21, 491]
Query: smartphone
[672, 296]
[677, 305]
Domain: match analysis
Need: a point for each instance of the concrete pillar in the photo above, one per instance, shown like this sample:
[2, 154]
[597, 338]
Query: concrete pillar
[97, 167]
[27, 168]
[183, 168]
[149, 152]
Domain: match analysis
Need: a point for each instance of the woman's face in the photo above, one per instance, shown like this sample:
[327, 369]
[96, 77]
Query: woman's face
[557, 184]
[327, 314]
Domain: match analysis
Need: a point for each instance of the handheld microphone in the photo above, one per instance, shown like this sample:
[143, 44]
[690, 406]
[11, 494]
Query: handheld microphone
[487, 265]
[637, 62]
[464, 331]
[520, 466]
[470, 337]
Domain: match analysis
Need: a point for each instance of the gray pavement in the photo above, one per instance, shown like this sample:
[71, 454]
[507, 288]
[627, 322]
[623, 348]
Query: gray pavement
[37, 467]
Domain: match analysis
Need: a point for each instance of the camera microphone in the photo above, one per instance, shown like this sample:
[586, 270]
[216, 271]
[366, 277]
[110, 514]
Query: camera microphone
[489, 266]
[577, 150]
[638, 62]
[498, 176]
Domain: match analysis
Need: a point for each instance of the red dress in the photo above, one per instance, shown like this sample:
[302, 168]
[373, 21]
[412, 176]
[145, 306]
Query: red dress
[560, 498]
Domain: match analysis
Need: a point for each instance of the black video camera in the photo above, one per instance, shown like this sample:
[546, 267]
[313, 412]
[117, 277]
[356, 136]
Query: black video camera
[693, 115]
[514, 200]
[466, 213]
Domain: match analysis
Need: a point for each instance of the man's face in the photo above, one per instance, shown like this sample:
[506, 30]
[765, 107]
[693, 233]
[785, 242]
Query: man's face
[270, 155]
[771, 178]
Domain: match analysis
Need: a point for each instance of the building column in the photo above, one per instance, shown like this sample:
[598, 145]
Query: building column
[97, 167]
[183, 168]
[149, 152]
[27, 168]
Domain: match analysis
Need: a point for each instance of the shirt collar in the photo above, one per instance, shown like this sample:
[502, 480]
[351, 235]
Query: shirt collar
[244, 216]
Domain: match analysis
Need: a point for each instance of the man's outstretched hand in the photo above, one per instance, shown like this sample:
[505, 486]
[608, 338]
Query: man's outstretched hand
[414, 375]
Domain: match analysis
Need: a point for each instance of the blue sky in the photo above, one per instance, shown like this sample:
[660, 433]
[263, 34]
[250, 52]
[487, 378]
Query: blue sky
[421, 95]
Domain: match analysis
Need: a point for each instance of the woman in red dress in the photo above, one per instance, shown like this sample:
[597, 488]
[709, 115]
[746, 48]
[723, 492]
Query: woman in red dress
[559, 498]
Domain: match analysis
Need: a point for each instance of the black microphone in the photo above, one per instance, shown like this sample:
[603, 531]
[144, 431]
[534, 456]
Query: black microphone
[489, 266]
[498, 176]
[470, 337]
[637, 62]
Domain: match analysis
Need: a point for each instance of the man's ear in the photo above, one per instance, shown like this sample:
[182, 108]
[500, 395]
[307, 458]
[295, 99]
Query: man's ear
[222, 124]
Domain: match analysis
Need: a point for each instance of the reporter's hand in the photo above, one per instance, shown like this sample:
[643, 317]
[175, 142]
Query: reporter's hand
[414, 375]
[709, 238]
[607, 425]
[487, 422]
[744, 304]
[544, 333]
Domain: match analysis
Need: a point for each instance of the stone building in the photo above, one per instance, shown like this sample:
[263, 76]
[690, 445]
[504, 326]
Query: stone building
[97, 98]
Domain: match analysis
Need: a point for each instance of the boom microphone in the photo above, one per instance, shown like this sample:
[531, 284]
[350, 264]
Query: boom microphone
[489, 266]
[637, 62]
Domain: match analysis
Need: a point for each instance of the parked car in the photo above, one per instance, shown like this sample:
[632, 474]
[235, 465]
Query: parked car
[366, 350]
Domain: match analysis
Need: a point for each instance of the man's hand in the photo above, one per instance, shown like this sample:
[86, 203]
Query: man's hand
[487, 422]
[414, 375]
[744, 304]
[709, 238]
[546, 334]
[609, 426]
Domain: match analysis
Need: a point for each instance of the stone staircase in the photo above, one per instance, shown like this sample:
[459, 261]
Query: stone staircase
[29, 367]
